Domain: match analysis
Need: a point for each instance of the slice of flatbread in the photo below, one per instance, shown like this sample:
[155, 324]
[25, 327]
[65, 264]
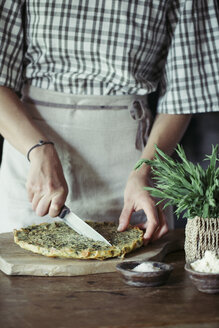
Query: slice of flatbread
[58, 240]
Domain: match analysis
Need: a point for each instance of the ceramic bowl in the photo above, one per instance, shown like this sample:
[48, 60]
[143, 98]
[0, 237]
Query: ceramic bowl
[204, 282]
[144, 279]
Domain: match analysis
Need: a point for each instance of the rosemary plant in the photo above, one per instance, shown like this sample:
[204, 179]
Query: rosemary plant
[189, 187]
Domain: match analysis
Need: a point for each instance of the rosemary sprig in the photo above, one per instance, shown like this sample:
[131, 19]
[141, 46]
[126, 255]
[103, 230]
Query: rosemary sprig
[189, 187]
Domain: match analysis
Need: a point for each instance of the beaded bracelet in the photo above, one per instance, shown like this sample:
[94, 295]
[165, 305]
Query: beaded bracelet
[41, 143]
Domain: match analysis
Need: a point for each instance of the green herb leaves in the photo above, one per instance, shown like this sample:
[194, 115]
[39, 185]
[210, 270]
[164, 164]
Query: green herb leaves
[189, 187]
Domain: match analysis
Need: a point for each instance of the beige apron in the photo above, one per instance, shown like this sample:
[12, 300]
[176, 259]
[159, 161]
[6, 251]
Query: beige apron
[97, 139]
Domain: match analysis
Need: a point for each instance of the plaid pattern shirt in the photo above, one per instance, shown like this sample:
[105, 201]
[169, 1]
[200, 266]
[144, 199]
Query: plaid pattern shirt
[99, 47]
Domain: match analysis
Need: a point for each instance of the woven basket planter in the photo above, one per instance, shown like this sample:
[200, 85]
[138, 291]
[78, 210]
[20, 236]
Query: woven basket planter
[201, 235]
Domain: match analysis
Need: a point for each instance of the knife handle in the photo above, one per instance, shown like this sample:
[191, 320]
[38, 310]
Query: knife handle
[65, 210]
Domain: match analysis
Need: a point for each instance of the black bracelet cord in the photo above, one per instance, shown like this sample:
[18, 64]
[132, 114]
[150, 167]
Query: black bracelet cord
[40, 143]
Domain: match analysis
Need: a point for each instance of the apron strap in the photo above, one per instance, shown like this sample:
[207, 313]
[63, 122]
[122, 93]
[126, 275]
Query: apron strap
[140, 112]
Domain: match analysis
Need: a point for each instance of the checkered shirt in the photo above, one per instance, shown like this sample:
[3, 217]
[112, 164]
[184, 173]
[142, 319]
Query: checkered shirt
[100, 47]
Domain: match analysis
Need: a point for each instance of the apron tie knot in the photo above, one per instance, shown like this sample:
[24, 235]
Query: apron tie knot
[141, 113]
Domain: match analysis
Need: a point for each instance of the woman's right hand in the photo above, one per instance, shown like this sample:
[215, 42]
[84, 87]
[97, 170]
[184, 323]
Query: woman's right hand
[46, 185]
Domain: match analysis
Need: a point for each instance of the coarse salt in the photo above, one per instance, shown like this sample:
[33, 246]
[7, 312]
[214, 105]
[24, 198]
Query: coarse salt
[145, 267]
[209, 263]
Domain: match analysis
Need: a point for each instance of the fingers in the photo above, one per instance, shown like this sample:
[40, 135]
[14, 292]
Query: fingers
[156, 225]
[56, 205]
[35, 200]
[135, 199]
[46, 185]
[42, 206]
[163, 226]
[152, 222]
[49, 204]
[125, 217]
[47, 198]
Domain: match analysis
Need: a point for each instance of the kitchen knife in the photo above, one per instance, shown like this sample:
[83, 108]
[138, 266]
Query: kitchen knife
[81, 227]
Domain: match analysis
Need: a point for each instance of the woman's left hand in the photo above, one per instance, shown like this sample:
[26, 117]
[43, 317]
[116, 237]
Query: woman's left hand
[135, 199]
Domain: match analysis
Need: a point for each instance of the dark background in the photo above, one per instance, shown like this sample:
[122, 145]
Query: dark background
[1, 141]
[202, 132]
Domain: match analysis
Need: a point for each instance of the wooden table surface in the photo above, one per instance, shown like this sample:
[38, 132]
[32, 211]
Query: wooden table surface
[103, 300]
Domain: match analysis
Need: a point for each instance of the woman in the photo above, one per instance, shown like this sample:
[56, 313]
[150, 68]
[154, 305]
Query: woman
[83, 70]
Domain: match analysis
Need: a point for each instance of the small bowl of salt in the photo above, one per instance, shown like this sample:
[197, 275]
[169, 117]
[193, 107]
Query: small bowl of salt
[204, 273]
[144, 273]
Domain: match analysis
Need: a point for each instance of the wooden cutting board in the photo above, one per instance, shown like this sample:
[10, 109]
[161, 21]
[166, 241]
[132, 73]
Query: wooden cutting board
[17, 261]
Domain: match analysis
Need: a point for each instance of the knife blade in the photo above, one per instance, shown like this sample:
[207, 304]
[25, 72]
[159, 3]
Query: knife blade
[78, 225]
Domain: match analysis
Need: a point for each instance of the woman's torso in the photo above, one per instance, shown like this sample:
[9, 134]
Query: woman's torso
[88, 47]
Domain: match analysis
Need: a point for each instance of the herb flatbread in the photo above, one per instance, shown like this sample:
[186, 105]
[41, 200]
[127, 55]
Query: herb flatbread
[58, 240]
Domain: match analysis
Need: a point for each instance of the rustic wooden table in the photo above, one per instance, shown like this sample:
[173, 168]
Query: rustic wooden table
[103, 300]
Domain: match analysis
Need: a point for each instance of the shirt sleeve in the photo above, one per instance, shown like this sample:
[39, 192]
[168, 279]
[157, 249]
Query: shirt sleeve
[190, 82]
[11, 41]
